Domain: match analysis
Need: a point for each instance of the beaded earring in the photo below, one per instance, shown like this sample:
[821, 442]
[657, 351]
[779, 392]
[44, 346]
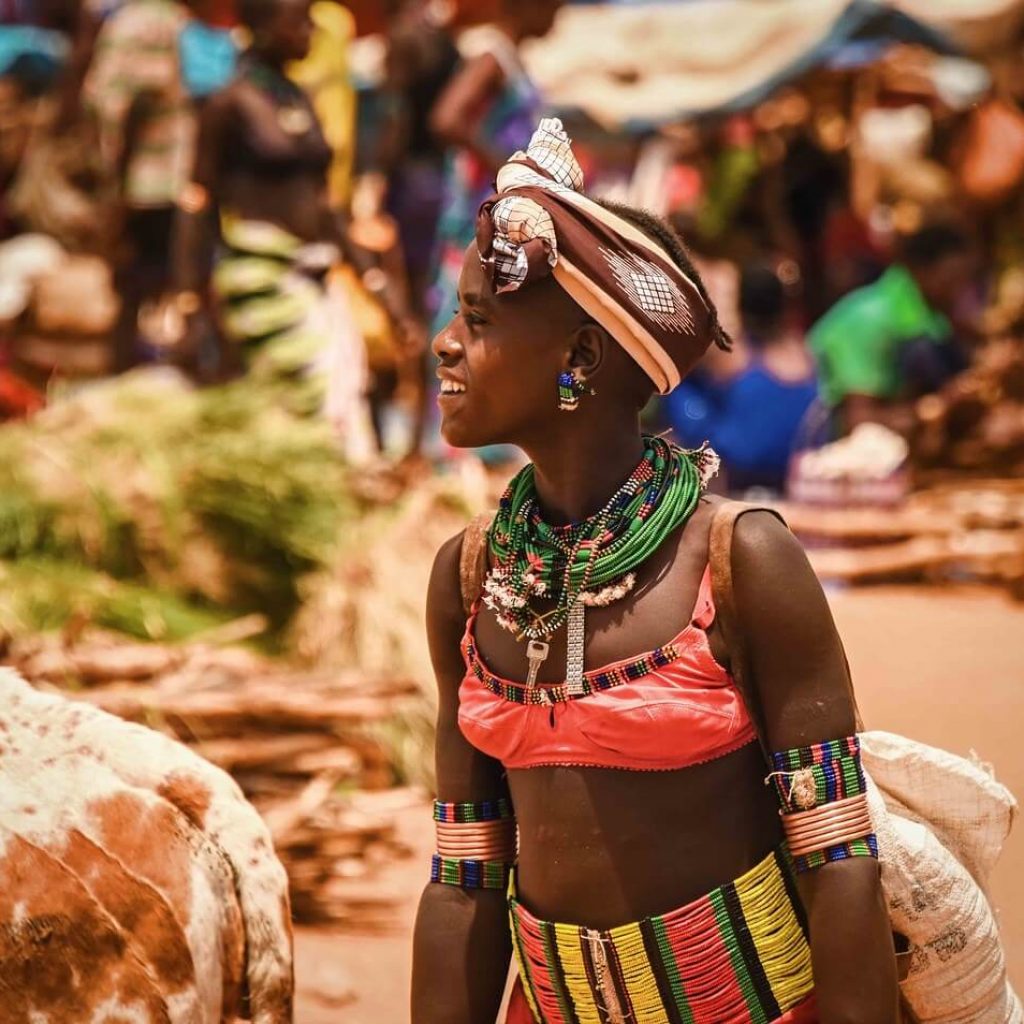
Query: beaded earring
[570, 387]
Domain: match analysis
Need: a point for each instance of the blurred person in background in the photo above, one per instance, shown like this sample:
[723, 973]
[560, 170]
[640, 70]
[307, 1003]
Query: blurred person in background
[146, 122]
[752, 417]
[421, 59]
[325, 76]
[259, 198]
[45, 47]
[901, 337]
[38, 38]
[488, 108]
[147, 67]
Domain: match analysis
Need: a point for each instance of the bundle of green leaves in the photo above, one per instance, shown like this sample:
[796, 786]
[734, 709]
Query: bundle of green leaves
[218, 498]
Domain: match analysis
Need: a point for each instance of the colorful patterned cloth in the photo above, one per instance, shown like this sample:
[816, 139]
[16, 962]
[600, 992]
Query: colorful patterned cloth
[291, 319]
[540, 223]
[738, 955]
[136, 59]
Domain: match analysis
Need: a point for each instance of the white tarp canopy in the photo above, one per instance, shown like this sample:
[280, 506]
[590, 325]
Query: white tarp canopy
[978, 25]
[640, 64]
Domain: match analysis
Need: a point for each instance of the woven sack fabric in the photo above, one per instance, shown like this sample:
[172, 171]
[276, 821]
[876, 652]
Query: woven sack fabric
[959, 800]
[941, 823]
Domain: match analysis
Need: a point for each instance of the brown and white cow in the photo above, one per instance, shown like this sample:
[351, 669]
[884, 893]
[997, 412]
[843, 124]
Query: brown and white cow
[137, 885]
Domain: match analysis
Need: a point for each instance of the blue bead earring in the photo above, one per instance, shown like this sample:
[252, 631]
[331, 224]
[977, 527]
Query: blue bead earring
[570, 387]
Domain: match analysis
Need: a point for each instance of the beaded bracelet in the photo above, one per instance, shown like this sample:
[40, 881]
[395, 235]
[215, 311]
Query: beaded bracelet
[476, 844]
[807, 777]
[470, 874]
[822, 793]
[485, 810]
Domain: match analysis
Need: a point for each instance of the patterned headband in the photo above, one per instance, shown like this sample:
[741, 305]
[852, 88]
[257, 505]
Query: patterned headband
[540, 223]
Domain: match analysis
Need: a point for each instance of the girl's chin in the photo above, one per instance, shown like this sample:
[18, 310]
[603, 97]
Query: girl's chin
[461, 432]
[457, 438]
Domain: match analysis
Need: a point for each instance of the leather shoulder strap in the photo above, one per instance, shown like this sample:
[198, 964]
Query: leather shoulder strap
[720, 558]
[473, 559]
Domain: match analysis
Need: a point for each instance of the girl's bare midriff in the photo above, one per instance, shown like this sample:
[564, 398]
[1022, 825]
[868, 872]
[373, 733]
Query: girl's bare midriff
[589, 830]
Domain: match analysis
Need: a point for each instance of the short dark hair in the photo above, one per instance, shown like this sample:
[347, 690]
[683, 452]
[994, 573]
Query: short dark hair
[661, 231]
[254, 13]
[762, 295]
[933, 243]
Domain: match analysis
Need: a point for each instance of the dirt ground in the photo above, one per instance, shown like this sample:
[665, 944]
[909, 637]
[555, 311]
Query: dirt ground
[944, 666]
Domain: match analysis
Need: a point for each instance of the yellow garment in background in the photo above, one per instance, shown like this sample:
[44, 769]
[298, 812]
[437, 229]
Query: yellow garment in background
[324, 74]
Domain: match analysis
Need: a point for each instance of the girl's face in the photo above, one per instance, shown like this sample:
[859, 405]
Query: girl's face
[499, 360]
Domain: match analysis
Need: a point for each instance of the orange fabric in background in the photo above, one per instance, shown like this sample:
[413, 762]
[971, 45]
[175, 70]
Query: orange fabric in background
[222, 13]
[371, 17]
[17, 398]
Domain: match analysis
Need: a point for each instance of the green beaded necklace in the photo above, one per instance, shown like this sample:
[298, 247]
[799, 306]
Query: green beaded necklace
[562, 564]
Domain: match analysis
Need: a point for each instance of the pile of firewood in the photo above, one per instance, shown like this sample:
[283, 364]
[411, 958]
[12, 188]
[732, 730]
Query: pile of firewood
[969, 530]
[308, 750]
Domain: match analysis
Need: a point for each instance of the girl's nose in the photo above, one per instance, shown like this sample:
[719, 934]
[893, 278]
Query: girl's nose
[446, 346]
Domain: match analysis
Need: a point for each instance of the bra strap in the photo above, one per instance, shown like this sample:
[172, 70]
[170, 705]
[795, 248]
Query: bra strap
[704, 609]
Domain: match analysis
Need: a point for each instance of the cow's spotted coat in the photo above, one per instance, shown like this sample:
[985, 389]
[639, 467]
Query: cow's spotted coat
[137, 885]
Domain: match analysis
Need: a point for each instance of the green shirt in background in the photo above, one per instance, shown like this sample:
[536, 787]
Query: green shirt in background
[857, 342]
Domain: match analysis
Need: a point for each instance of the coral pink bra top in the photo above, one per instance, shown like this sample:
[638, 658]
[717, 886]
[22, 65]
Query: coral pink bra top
[671, 708]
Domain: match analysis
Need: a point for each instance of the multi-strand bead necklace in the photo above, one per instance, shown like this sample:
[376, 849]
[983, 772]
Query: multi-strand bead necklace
[591, 562]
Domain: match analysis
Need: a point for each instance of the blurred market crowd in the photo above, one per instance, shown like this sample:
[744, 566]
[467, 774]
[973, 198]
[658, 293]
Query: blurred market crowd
[285, 188]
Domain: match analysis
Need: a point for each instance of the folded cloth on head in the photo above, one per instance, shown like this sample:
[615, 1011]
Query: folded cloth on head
[539, 222]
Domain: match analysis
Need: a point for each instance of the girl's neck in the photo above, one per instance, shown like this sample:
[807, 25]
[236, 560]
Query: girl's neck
[576, 474]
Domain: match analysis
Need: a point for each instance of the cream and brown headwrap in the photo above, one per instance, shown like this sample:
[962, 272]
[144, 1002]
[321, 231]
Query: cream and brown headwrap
[539, 223]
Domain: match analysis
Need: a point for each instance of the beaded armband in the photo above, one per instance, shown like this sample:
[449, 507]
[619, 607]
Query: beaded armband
[823, 797]
[476, 844]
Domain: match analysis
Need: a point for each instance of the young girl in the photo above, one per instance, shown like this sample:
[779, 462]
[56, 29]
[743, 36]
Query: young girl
[592, 696]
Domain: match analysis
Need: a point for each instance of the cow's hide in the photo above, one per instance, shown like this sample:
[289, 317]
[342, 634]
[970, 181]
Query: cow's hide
[137, 885]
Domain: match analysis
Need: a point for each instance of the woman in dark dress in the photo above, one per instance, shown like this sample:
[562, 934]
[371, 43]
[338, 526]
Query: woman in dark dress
[257, 234]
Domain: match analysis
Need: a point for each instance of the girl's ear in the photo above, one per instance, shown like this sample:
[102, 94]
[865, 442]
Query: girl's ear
[588, 349]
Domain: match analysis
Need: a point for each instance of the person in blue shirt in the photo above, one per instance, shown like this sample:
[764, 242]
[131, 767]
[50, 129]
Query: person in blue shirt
[752, 418]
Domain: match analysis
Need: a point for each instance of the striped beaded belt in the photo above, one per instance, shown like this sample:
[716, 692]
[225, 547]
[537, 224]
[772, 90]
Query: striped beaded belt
[738, 955]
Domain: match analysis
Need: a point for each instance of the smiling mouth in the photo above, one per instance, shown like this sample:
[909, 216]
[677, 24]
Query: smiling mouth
[451, 387]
